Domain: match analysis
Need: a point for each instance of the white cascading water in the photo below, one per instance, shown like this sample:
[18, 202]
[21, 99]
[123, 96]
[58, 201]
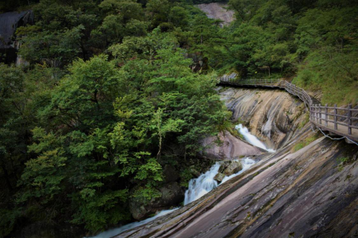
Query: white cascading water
[198, 187]
[251, 138]
[202, 185]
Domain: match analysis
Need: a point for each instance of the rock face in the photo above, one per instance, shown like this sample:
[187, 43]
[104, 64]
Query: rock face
[229, 147]
[301, 190]
[272, 115]
[9, 22]
[288, 194]
[217, 11]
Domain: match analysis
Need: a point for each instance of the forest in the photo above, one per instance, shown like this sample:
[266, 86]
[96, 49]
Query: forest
[118, 90]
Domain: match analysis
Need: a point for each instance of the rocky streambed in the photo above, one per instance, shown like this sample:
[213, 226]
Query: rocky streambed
[307, 188]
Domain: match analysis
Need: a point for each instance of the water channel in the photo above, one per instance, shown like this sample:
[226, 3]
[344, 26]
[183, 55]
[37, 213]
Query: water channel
[200, 186]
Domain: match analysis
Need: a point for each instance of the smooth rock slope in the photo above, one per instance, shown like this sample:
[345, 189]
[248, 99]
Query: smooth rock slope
[307, 188]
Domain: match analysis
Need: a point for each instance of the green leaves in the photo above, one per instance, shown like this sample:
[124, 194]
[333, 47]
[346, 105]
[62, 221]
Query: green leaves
[97, 210]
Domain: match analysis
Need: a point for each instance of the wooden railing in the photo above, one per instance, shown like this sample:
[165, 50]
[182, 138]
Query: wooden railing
[337, 120]
[296, 91]
[230, 80]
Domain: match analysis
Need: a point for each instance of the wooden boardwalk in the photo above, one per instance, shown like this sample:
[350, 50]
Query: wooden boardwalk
[341, 130]
[341, 121]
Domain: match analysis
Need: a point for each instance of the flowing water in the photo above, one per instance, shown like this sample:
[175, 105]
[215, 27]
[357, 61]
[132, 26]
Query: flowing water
[251, 138]
[200, 186]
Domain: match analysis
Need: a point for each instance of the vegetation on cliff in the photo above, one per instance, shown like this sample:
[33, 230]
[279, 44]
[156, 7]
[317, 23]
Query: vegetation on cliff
[108, 102]
[117, 90]
[315, 41]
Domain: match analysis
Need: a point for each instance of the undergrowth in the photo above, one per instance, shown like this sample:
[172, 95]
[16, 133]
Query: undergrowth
[305, 142]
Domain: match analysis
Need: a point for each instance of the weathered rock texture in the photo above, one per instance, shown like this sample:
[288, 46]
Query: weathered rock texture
[229, 147]
[272, 115]
[293, 192]
[228, 168]
[298, 194]
[217, 11]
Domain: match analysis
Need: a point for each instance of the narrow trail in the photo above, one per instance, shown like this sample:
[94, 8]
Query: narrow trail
[333, 120]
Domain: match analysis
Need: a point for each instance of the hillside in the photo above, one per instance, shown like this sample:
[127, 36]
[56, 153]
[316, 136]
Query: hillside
[103, 122]
[307, 187]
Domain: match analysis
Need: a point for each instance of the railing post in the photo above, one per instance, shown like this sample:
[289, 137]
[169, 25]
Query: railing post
[335, 116]
[316, 113]
[320, 114]
[349, 119]
[326, 114]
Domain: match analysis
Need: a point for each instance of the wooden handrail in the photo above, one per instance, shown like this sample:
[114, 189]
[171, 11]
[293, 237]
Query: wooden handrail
[325, 117]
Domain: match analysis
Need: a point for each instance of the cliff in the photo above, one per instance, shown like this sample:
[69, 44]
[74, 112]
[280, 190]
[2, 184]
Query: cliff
[218, 11]
[308, 187]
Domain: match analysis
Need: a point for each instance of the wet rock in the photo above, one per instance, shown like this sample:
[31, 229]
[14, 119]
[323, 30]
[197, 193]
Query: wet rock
[219, 177]
[231, 168]
[228, 148]
[228, 168]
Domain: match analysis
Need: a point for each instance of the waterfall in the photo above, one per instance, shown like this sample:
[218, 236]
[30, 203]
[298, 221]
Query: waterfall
[251, 138]
[198, 187]
[205, 183]
[202, 185]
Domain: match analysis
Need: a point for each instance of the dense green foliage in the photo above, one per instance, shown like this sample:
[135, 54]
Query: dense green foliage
[118, 89]
[317, 40]
[108, 101]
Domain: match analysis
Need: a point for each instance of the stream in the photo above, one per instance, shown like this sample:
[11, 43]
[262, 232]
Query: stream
[200, 186]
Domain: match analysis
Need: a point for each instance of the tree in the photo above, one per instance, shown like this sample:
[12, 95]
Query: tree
[73, 163]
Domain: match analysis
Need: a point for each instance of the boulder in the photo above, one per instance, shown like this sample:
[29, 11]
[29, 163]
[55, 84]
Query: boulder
[229, 148]
[228, 168]
[232, 168]
[219, 177]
